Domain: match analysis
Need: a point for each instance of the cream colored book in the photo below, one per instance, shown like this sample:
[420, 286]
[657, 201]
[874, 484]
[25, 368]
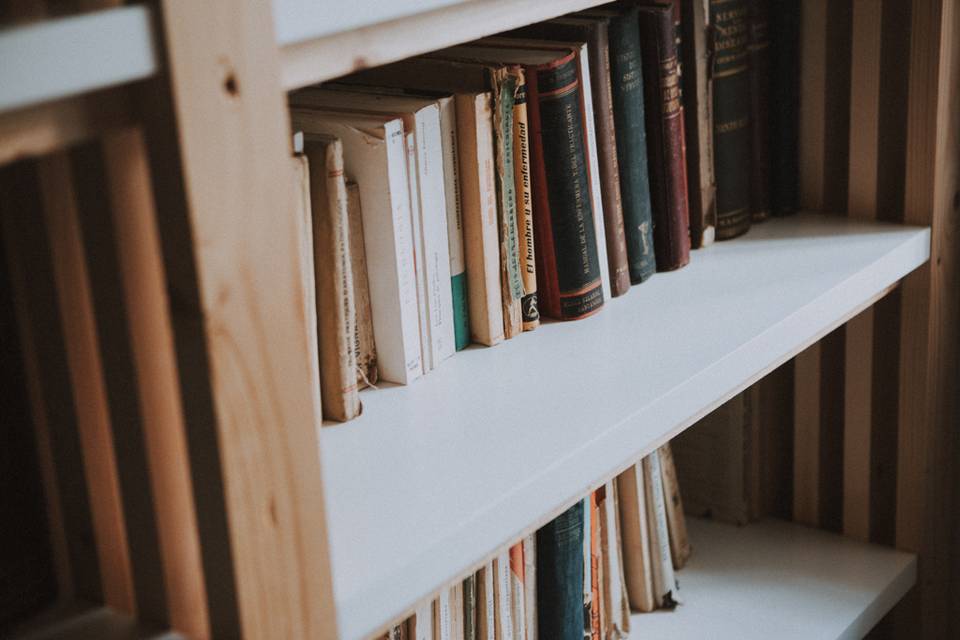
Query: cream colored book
[304, 218]
[487, 603]
[503, 596]
[613, 593]
[456, 612]
[420, 625]
[442, 616]
[530, 585]
[529, 310]
[676, 522]
[665, 587]
[375, 157]
[365, 346]
[635, 535]
[517, 596]
[333, 277]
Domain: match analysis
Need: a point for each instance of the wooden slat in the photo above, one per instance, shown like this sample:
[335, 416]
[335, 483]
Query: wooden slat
[151, 334]
[813, 71]
[86, 373]
[806, 438]
[238, 315]
[830, 465]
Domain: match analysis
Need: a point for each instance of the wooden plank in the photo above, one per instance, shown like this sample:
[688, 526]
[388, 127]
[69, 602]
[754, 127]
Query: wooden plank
[813, 53]
[151, 334]
[776, 438]
[311, 61]
[86, 373]
[928, 406]
[806, 437]
[830, 464]
[238, 315]
[861, 203]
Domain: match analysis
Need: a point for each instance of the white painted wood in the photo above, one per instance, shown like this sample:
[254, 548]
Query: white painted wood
[774, 579]
[435, 477]
[67, 56]
[381, 40]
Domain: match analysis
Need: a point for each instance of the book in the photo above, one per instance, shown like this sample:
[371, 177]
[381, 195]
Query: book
[595, 578]
[365, 347]
[569, 279]
[731, 116]
[375, 157]
[698, 122]
[456, 612]
[487, 603]
[677, 525]
[594, 31]
[425, 148]
[665, 588]
[665, 136]
[759, 71]
[304, 218]
[420, 625]
[397, 632]
[616, 609]
[333, 278]
[635, 532]
[587, 559]
[473, 102]
[784, 122]
[529, 307]
[470, 626]
[560, 576]
[530, 585]
[442, 616]
[503, 596]
[517, 597]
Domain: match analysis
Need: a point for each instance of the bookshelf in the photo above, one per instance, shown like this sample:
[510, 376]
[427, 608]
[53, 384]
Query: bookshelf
[270, 526]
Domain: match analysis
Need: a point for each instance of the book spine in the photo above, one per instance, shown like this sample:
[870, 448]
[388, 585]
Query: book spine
[636, 538]
[568, 269]
[441, 617]
[517, 600]
[511, 280]
[419, 262]
[628, 110]
[503, 597]
[530, 585]
[665, 135]
[784, 122]
[458, 265]
[590, 139]
[586, 558]
[456, 612]
[595, 564]
[422, 622]
[698, 121]
[560, 576]
[529, 309]
[487, 600]
[664, 580]
[480, 227]
[601, 78]
[616, 610]
[470, 608]
[334, 281]
[731, 116]
[364, 346]
[759, 60]
[676, 524]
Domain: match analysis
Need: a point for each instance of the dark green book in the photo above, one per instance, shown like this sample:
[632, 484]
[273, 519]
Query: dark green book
[470, 608]
[732, 151]
[784, 123]
[560, 576]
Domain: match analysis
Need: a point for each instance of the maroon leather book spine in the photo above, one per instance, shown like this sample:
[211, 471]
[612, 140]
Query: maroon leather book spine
[665, 137]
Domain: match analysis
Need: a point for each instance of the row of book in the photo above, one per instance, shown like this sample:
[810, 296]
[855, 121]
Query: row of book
[459, 195]
[579, 576]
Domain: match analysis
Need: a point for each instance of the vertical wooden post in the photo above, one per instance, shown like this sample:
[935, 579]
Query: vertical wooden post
[218, 135]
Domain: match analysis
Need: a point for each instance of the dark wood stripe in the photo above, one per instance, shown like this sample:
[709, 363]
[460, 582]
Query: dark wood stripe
[833, 348]
[894, 79]
[27, 243]
[776, 437]
[120, 375]
[883, 445]
[836, 147]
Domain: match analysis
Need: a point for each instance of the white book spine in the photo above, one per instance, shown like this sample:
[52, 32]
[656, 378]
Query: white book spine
[451, 178]
[517, 587]
[442, 620]
[490, 602]
[423, 621]
[594, 168]
[667, 590]
[416, 225]
[503, 601]
[530, 585]
[436, 242]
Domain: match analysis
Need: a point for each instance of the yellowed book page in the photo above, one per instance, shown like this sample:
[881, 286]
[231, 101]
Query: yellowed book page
[364, 347]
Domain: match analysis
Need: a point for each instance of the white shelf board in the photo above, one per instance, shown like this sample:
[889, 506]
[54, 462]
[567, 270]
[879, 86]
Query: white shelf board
[436, 476]
[774, 579]
[315, 46]
[67, 56]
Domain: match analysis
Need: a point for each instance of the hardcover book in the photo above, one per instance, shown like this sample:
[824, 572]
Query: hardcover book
[784, 123]
[470, 624]
[695, 55]
[333, 278]
[364, 345]
[560, 576]
[677, 525]
[594, 31]
[665, 590]
[569, 278]
[616, 608]
[665, 137]
[731, 116]
[517, 596]
[759, 61]
[375, 157]
[530, 585]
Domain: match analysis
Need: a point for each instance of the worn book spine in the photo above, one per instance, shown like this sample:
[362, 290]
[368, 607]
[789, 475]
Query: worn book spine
[698, 121]
[517, 600]
[487, 603]
[664, 580]
[677, 524]
[731, 116]
[626, 75]
[421, 623]
[665, 137]
[336, 312]
[511, 279]
[759, 61]
[586, 558]
[784, 122]
[419, 259]
[364, 346]
[503, 596]
[568, 268]
[442, 616]
[595, 564]
[470, 630]
[616, 609]
[480, 224]
[560, 576]
[456, 612]
[458, 266]
[635, 534]
[530, 585]
[529, 309]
